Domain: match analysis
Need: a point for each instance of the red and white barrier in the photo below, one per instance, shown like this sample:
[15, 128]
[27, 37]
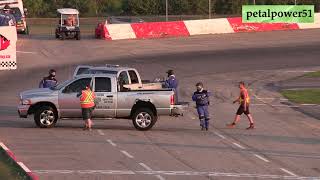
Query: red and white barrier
[24, 167]
[195, 27]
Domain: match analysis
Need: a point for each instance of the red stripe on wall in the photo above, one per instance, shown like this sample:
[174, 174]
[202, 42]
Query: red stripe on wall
[238, 26]
[160, 29]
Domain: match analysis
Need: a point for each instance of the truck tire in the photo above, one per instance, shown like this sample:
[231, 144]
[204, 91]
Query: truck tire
[27, 31]
[143, 119]
[62, 35]
[45, 117]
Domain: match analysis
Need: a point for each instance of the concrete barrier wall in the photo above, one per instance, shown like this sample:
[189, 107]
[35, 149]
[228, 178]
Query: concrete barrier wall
[238, 26]
[208, 26]
[8, 40]
[160, 29]
[120, 31]
[196, 27]
[316, 23]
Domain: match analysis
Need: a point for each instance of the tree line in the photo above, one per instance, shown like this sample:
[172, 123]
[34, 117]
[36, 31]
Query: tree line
[87, 8]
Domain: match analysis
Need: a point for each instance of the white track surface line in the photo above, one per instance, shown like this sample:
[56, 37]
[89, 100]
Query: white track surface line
[127, 154]
[110, 142]
[220, 135]
[26, 52]
[24, 167]
[238, 145]
[261, 158]
[309, 104]
[149, 169]
[174, 173]
[4, 146]
[100, 132]
[288, 172]
[145, 166]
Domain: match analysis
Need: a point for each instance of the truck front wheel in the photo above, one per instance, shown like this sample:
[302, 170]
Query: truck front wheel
[143, 119]
[45, 117]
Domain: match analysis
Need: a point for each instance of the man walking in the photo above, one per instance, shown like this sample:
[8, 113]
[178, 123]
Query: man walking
[201, 97]
[87, 105]
[244, 101]
[49, 81]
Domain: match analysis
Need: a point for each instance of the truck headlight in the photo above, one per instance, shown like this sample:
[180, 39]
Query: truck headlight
[26, 102]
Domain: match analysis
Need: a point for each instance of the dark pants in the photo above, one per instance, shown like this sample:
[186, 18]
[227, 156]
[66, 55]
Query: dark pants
[203, 116]
[87, 113]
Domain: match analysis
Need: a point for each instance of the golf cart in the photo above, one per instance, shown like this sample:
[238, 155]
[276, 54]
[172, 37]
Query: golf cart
[68, 24]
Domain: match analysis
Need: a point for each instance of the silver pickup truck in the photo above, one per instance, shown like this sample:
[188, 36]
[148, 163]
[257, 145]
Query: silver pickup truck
[61, 102]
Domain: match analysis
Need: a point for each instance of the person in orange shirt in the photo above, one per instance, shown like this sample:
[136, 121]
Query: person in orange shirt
[244, 101]
[87, 105]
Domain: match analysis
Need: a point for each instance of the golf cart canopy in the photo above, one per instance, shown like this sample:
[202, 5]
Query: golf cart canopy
[68, 11]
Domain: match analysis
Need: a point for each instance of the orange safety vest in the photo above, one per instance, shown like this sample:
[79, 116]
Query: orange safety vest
[87, 99]
[246, 95]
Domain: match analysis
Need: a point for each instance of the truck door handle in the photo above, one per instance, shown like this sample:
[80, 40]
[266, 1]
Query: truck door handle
[110, 96]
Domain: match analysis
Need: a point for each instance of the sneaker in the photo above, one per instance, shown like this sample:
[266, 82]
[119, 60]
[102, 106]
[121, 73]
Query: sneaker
[202, 128]
[207, 129]
[232, 125]
[250, 127]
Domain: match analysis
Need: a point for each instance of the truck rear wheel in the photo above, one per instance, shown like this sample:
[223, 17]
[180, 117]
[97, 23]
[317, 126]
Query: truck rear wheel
[143, 119]
[45, 117]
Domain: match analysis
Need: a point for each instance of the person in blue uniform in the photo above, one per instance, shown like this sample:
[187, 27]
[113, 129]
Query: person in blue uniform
[201, 97]
[172, 83]
[49, 81]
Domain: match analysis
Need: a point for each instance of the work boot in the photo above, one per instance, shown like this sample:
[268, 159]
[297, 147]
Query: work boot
[251, 126]
[232, 125]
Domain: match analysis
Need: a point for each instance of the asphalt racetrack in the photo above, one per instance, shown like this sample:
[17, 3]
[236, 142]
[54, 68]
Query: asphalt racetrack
[284, 145]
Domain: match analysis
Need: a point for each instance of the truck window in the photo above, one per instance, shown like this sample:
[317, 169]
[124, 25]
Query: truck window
[83, 70]
[77, 86]
[133, 77]
[123, 78]
[102, 84]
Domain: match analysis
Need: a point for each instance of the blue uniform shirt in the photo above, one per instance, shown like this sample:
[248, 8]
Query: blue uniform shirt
[171, 82]
[201, 98]
[48, 82]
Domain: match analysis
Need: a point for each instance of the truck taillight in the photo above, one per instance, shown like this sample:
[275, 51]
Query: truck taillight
[172, 99]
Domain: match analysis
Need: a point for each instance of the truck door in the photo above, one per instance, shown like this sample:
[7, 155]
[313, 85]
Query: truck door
[69, 103]
[106, 98]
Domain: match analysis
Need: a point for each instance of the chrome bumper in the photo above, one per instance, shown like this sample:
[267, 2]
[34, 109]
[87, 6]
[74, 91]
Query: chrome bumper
[179, 109]
[23, 110]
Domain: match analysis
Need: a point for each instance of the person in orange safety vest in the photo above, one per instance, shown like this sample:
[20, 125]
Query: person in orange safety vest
[244, 101]
[87, 105]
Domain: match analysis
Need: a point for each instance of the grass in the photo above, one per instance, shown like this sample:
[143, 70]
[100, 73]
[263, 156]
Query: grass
[306, 96]
[313, 74]
[9, 170]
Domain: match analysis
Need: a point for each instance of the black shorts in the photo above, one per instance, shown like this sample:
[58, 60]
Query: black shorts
[241, 110]
[86, 113]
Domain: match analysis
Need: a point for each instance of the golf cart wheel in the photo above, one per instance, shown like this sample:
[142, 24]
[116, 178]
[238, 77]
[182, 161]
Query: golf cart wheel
[143, 119]
[62, 36]
[45, 117]
[78, 37]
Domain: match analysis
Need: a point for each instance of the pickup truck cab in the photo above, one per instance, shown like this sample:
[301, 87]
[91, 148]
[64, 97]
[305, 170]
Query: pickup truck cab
[61, 102]
[130, 77]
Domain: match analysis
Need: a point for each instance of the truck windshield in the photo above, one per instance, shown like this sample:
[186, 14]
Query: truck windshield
[15, 12]
[59, 86]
